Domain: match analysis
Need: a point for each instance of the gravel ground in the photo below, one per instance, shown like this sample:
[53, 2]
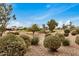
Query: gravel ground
[40, 50]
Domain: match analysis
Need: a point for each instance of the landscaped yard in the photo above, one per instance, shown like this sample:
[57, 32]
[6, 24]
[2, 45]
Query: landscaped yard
[40, 50]
[39, 29]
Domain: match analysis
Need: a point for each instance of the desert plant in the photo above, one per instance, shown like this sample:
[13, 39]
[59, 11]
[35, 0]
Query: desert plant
[12, 45]
[77, 40]
[64, 26]
[52, 42]
[47, 34]
[6, 15]
[66, 31]
[26, 39]
[15, 33]
[66, 34]
[77, 30]
[52, 24]
[74, 32]
[34, 28]
[35, 40]
[44, 28]
[42, 31]
[66, 42]
[60, 36]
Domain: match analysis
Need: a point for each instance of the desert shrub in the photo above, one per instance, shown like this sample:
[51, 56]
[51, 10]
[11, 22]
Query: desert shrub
[35, 40]
[74, 32]
[60, 36]
[26, 39]
[9, 32]
[12, 45]
[66, 31]
[66, 34]
[77, 40]
[47, 34]
[42, 31]
[52, 42]
[77, 30]
[16, 33]
[0, 33]
[66, 42]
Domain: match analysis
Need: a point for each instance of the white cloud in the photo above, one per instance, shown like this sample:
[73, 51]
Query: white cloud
[60, 23]
[15, 23]
[58, 10]
[67, 22]
[41, 17]
[51, 12]
[74, 20]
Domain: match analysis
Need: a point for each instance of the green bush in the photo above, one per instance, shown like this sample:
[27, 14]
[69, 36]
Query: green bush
[9, 32]
[74, 32]
[77, 40]
[42, 31]
[60, 36]
[16, 33]
[35, 41]
[52, 42]
[66, 34]
[26, 39]
[66, 31]
[66, 42]
[77, 30]
[12, 45]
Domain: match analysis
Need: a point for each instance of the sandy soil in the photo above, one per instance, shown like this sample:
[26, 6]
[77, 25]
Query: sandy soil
[40, 50]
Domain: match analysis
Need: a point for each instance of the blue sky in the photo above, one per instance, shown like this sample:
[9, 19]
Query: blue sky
[39, 13]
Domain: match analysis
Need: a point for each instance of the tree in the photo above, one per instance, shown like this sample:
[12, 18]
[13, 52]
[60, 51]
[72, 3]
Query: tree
[70, 23]
[52, 24]
[34, 28]
[64, 26]
[44, 27]
[5, 15]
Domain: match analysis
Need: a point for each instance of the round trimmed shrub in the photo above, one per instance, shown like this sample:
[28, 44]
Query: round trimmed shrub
[35, 40]
[52, 42]
[66, 31]
[60, 36]
[12, 45]
[66, 42]
[16, 33]
[74, 32]
[66, 34]
[9, 32]
[77, 30]
[26, 39]
[77, 40]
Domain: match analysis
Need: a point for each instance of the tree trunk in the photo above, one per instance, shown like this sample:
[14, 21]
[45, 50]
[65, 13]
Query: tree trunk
[33, 35]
